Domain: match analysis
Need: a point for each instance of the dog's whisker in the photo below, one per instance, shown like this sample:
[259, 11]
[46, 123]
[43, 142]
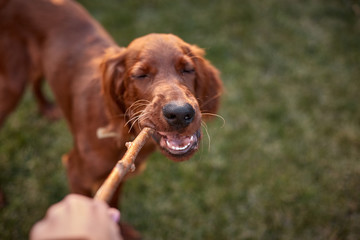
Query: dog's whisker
[217, 95]
[134, 120]
[142, 117]
[135, 109]
[216, 115]
[136, 115]
[135, 106]
[132, 125]
[141, 101]
[131, 109]
[202, 148]
[207, 133]
[138, 123]
[137, 118]
[131, 119]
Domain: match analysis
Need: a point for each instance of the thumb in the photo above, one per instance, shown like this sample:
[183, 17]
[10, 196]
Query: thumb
[114, 214]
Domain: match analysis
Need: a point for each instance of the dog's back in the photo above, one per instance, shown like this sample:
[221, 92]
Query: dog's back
[60, 41]
[55, 39]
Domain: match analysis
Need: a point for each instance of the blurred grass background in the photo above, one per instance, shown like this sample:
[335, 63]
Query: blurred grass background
[286, 165]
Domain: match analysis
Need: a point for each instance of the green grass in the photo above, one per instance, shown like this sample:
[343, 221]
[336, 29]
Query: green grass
[286, 165]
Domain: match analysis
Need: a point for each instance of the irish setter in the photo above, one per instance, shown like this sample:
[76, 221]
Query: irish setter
[105, 92]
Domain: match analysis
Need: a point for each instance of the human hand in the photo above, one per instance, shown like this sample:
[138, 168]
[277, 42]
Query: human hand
[78, 217]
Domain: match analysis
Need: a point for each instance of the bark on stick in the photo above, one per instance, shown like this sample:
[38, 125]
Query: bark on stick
[123, 166]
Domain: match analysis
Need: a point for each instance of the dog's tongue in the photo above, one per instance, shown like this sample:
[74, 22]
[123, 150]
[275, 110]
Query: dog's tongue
[177, 142]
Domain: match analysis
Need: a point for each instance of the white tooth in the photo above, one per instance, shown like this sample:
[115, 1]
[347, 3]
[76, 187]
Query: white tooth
[177, 148]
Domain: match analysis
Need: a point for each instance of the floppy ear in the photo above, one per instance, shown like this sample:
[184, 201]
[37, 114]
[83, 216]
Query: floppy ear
[208, 85]
[113, 71]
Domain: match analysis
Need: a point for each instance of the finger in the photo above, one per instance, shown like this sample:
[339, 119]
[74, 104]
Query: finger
[114, 214]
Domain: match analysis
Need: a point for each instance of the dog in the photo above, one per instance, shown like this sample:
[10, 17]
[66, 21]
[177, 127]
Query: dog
[106, 93]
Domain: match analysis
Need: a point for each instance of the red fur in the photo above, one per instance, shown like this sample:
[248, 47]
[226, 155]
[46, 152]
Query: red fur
[98, 84]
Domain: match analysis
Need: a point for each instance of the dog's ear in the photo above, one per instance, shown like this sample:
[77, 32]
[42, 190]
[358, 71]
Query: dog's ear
[113, 70]
[208, 85]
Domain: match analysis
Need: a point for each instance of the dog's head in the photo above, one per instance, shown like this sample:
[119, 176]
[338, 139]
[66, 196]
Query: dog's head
[161, 82]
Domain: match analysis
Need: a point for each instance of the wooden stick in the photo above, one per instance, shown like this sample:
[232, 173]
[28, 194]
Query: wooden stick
[123, 166]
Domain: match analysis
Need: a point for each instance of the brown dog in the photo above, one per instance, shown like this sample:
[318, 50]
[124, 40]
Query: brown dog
[106, 93]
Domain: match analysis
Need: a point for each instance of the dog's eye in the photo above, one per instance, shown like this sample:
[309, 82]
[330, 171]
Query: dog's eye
[140, 76]
[188, 71]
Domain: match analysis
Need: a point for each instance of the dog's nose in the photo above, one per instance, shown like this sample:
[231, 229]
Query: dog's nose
[178, 116]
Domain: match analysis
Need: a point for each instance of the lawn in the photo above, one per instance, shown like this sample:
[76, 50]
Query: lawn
[286, 163]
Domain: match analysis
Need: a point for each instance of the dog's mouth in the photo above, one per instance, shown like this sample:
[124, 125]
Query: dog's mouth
[177, 145]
